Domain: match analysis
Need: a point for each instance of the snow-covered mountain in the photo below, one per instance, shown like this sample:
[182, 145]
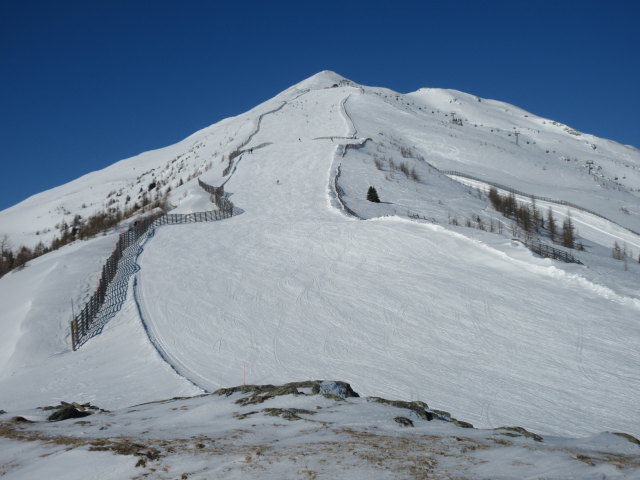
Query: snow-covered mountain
[451, 130]
[423, 296]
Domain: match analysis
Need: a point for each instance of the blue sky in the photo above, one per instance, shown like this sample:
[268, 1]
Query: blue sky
[87, 83]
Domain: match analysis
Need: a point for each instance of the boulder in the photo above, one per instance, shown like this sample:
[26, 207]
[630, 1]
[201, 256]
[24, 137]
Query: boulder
[67, 411]
[404, 421]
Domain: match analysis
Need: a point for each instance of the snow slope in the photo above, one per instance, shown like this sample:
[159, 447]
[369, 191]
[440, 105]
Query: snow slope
[36, 364]
[295, 288]
[258, 432]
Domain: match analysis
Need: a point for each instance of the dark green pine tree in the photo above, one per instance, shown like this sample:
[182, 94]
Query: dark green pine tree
[372, 195]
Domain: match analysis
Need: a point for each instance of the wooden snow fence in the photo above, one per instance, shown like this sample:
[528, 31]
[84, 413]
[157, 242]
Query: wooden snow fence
[109, 296]
[548, 251]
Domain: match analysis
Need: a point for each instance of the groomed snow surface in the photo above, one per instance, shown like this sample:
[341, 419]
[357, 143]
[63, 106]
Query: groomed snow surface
[293, 288]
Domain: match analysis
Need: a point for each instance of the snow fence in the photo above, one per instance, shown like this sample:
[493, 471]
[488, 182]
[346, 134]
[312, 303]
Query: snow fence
[113, 284]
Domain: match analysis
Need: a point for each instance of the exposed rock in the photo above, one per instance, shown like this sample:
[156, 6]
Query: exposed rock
[78, 406]
[447, 417]
[2, 412]
[265, 391]
[586, 459]
[333, 397]
[523, 432]
[173, 399]
[461, 424]
[441, 413]
[631, 438]
[420, 408]
[261, 396]
[260, 393]
[21, 420]
[125, 447]
[338, 389]
[67, 411]
[287, 413]
[241, 416]
[240, 389]
[403, 421]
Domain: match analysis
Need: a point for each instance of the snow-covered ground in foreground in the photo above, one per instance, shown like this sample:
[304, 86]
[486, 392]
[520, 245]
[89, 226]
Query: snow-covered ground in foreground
[294, 288]
[291, 432]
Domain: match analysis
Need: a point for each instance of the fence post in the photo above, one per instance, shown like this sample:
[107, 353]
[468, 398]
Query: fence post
[87, 316]
[73, 334]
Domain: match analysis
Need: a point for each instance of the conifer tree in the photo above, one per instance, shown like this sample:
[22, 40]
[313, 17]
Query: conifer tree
[372, 195]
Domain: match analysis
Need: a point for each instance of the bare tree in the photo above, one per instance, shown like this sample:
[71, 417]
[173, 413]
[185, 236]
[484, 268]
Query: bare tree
[568, 233]
[616, 251]
[551, 225]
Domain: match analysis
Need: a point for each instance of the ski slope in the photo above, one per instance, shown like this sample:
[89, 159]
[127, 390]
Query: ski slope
[295, 288]
[292, 289]
[37, 366]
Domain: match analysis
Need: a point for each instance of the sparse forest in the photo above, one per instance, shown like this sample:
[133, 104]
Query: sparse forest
[79, 229]
[531, 220]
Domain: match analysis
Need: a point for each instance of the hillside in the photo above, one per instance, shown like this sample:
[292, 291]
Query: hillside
[309, 429]
[418, 297]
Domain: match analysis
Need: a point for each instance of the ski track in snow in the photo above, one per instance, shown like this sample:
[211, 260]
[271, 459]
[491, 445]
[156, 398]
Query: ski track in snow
[477, 342]
[156, 340]
[161, 344]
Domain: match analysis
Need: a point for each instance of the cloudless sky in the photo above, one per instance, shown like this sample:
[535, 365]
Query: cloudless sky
[86, 83]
